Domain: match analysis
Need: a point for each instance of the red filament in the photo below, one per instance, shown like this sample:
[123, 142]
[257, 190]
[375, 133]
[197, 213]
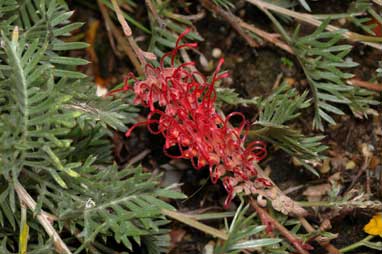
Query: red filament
[183, 104]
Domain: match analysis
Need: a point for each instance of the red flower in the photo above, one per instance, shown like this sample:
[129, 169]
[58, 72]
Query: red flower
[182, 109]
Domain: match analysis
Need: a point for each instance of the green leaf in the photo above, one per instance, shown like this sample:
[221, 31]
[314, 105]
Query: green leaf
[69, 74]
[68, 60]
[305, 5]
[58, 46]
[255, 244]
[323, 61]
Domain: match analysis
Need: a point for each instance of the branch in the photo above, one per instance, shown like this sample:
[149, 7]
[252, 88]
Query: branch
[365, 84]
[142, 55]
[238, 24]
[310, 19]
[268, 219]
[269, 37]
[117, 34]
[231, 19]
[43, 218]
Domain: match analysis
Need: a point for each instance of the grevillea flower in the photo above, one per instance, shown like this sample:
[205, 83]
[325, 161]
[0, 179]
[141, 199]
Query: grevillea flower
[182, 109]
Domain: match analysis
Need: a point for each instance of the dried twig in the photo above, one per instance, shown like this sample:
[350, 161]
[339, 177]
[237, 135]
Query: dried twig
[44, 219]
[142, 55]
[310, 19]
[269, 37]
[365, 84]
[268, 219]
[139, 157]
[122, 42]
[121, 19]
[231, 19]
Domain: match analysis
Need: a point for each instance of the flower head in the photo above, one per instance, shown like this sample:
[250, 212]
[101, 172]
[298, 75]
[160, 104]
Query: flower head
[374, 227]
[182, 109]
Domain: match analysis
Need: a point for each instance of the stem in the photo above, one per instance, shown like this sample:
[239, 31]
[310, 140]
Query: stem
[122, 42]
[121, 19]
[293, 239]
[127, 31]
[357, 244]
[43, 218]
[186, 219]
[269, 37]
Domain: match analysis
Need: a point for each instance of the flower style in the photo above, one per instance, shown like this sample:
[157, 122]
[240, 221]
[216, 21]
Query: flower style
[374, 227]
[182, 109]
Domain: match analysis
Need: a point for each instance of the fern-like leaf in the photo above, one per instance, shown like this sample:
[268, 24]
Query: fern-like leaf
[282, 106]
[123, 202]
[323, 61]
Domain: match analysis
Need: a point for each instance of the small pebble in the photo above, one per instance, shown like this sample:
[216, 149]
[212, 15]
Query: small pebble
[101, 91]
[350, 165]
[216, 53]
[325, 168]
[342, 21]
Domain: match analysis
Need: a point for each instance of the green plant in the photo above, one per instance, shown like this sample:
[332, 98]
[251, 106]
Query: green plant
[55, 151]
[323, 61]
[245, 233]
[276, 111]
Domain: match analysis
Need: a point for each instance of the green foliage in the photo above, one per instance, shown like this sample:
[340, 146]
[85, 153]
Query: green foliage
[43, 24]
[364, 22]
[164, 36]
[227, 4]
[245, 233]
[231, 97]
[323, 61]
[128, 17]
[123, 203]
[52, 126]
[33, 123]
[275, 111]
[304, 4]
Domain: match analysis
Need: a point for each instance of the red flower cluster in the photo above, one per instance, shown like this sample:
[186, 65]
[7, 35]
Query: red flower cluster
[182, 109]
